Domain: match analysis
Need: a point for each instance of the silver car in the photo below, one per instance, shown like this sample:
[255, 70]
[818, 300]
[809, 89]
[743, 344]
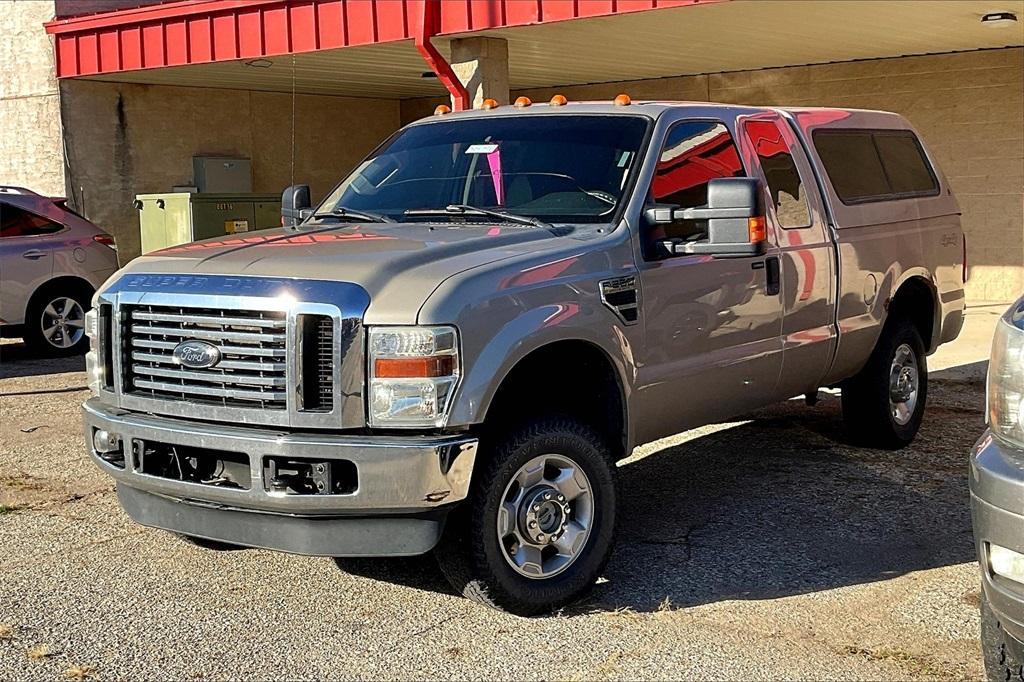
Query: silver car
[51, 262]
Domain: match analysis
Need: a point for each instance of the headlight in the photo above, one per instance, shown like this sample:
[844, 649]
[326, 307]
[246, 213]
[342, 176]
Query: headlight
[1005, 397]
[413, 374]
[92, 364]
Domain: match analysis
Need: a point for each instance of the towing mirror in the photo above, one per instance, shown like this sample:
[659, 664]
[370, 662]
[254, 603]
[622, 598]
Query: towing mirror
[733, 215]
[295, 205]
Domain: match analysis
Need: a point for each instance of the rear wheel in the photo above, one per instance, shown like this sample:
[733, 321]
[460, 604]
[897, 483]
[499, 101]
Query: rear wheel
[883, 405]
[538, 527]
[55, 321]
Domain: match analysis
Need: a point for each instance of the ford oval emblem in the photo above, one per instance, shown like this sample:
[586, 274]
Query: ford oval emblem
[196, 354]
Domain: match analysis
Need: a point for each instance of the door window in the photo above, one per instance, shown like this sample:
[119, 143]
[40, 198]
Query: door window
[780, 173]
[694, 153]
[17, 222]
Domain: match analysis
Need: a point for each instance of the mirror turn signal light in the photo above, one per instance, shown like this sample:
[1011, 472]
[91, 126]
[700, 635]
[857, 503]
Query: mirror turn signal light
[414, 368]
[623, 100]
[523, 102]
[757, 229]
[442, 109]
[558, 101]
[489, 104]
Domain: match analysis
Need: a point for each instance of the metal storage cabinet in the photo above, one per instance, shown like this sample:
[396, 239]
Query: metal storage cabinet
[176, 218]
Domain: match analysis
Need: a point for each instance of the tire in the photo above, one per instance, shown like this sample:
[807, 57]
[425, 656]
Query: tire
[478, 560]
[55, 321]
[212, 545]
[1001, 665]
[869, 412]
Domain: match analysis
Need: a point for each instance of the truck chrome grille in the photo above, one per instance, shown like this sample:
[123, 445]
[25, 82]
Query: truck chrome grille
[251, 373]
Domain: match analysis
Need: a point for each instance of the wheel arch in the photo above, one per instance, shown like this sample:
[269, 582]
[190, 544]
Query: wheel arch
[579, 379]
[70, 283]
[916, 298]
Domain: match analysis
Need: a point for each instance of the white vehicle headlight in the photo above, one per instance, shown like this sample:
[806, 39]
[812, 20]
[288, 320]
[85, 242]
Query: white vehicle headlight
[413, 374]
[1005, 396]
[92, 364]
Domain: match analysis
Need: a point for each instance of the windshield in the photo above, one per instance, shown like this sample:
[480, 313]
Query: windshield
[556, 168]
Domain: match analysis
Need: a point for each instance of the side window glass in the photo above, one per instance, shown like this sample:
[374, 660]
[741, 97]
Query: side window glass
[694, 153]
[852, 164]
[780, 172]
[905, 163]
[17, 222]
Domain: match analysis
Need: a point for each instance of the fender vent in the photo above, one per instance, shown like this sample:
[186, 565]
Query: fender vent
[620, 294]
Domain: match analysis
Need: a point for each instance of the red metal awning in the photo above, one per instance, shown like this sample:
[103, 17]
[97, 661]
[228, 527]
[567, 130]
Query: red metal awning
[204, 31]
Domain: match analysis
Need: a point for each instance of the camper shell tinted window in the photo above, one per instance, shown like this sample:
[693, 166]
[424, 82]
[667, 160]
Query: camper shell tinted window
[875, 165]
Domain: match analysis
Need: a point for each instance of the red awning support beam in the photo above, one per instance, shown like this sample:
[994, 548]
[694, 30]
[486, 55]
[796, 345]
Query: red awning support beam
[429, 27]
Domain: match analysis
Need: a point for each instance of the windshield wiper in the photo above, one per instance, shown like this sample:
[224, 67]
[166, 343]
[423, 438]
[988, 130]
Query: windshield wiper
[466, 209]
[342, 212]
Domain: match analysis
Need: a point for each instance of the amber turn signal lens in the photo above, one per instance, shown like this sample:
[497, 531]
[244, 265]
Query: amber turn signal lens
[442, 109]
[623, 100]
[523, 102]
[489, 104]
[757, 229]
[558, 101]
[414, 368]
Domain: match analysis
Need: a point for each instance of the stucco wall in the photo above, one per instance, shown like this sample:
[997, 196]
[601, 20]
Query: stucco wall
[126, 139]
[30, 132]
[969, 107]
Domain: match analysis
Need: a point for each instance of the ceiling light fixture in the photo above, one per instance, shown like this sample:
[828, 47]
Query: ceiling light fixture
[259, 63]
[999, 19]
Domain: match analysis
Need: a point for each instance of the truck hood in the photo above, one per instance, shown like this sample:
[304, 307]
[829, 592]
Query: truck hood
[399, 265]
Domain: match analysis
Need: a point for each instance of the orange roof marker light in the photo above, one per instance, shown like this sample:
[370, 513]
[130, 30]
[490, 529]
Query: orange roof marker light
[442, 109]
[522, 102]
[558, 101]
[623, 100]
[489, 104]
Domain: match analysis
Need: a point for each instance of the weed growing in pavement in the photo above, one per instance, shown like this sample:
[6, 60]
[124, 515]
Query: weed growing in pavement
[39, 652]
[6, 633]
[81, 672]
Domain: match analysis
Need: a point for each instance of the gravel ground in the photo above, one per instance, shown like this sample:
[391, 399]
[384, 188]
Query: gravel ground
[766, 548]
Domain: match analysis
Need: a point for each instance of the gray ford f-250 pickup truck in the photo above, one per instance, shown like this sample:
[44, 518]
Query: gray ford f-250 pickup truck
[452, 351]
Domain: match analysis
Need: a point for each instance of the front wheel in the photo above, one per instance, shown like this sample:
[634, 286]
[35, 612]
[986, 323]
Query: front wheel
[883, 405]
[538, 527]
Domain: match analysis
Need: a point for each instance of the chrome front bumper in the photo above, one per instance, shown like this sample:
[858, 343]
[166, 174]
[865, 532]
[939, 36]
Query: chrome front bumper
[405, 484]
[997, 513]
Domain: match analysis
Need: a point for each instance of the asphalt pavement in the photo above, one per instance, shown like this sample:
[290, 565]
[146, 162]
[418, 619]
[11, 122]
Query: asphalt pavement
[765, 548]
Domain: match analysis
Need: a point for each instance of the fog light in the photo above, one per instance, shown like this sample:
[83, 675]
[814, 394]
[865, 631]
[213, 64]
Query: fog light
[1006, 563]
[105, 442]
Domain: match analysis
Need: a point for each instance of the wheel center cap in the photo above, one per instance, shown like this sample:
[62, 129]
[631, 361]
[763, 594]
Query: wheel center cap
[544, 515]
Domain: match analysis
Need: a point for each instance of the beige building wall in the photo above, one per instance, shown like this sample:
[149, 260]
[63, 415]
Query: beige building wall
[127, 139]
[30, 126]
[968, 106]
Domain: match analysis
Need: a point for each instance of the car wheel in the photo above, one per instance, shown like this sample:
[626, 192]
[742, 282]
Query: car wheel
[538, 527]
[55, 322]
[1001, 665]
[883, 405]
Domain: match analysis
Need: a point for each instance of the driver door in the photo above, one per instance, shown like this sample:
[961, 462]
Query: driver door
[713, 324]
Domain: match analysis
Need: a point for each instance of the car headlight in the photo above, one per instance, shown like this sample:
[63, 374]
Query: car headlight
[413, 374]
[93, 368]
[1005, 396]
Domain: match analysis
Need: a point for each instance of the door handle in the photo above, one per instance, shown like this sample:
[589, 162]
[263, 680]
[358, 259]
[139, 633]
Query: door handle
[773, 276]
[33, 254]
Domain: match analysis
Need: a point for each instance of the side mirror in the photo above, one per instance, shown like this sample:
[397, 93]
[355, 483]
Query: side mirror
[735, 220]
[295, 205]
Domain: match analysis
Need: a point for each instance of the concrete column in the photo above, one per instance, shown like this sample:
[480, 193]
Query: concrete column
[482, 66]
